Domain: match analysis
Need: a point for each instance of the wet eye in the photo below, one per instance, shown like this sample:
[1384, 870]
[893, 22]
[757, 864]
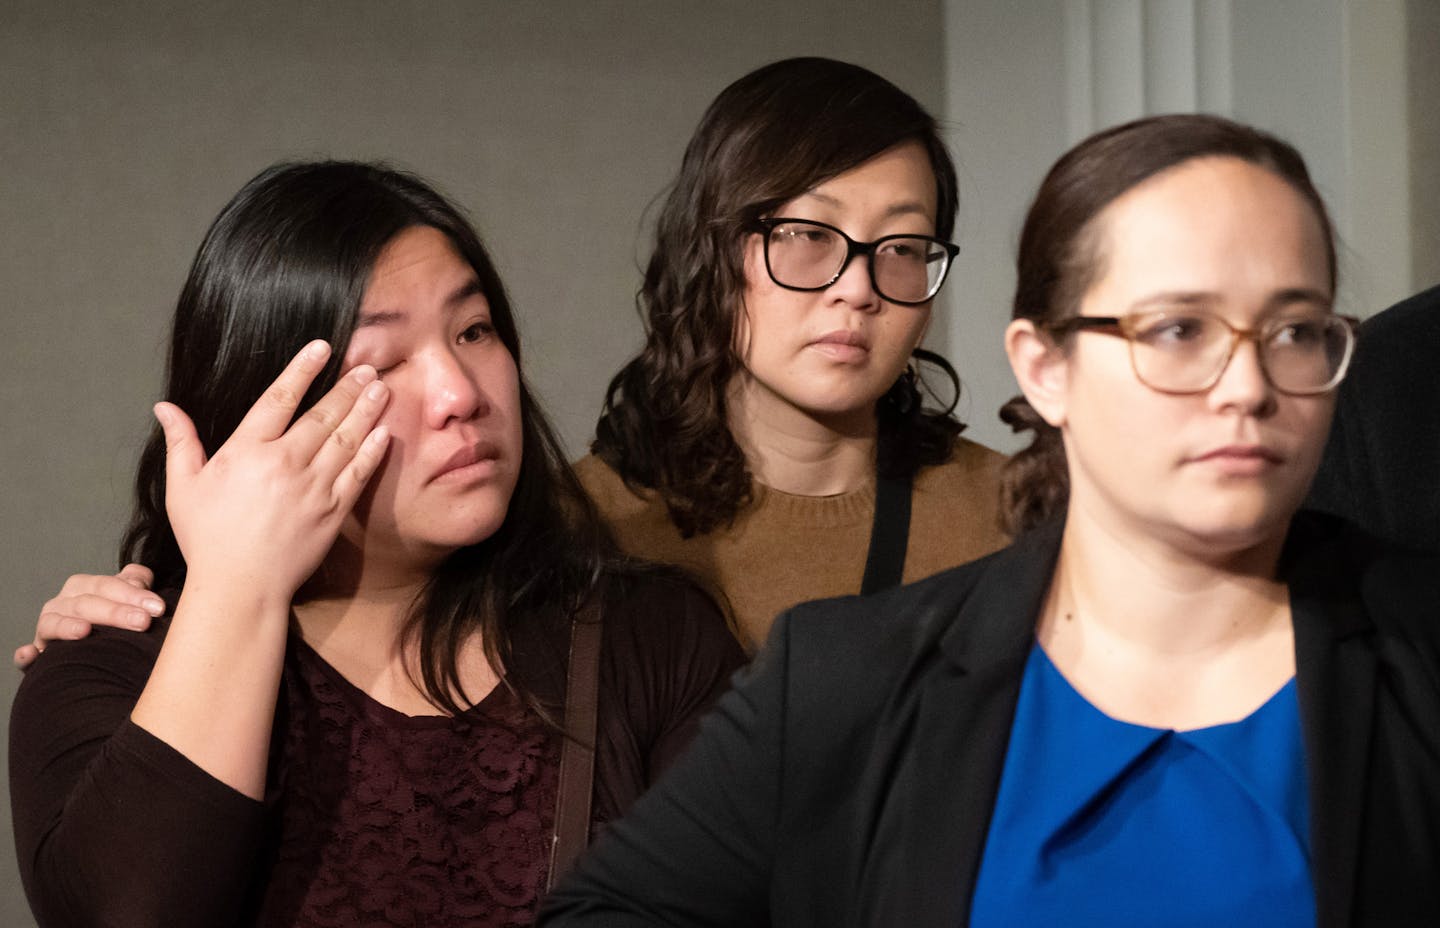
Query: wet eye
[382, 365]
[476, 332]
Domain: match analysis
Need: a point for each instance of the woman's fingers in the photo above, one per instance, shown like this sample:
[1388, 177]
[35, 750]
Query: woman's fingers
[87, 600]
[137, 575]
[329, 423]
[340, 420]
[270, 416]
[275, 493]
[361, 467]
[344, 443]
[94, 599]
[72, 616]
[271, 499]
[58, 626]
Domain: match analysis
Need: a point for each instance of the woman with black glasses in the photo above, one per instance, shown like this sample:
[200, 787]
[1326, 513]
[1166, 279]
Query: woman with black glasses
[773, 435]
[1172, 701]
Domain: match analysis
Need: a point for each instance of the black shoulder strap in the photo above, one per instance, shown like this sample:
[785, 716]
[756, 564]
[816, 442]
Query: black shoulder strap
[577, 751]
[889, 535]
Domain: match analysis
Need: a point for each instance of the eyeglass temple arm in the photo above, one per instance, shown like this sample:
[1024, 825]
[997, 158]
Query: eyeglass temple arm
[1109, 325]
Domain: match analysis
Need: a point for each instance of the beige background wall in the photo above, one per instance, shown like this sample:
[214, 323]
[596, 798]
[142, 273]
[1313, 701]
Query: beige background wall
[123, 131]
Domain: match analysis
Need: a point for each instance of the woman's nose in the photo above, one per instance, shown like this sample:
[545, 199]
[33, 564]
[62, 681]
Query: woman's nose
[854, 286]
[453, 391]
[1243, 384]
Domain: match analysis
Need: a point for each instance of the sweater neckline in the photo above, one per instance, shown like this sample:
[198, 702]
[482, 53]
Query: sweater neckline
[851, 507]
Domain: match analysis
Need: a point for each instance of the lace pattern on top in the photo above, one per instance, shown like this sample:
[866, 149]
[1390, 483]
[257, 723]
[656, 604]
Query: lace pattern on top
[384, 819]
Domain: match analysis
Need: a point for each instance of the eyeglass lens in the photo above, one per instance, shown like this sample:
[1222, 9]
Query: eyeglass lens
[903, 268]
[1303, 353]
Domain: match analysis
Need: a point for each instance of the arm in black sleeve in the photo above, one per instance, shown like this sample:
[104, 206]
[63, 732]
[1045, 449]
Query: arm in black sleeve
[688, 673]
[667, 656]
[698, 848]
[112, 825]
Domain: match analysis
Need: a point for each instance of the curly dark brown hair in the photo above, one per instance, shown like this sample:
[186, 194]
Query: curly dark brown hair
[767, 138]
[1060, 256]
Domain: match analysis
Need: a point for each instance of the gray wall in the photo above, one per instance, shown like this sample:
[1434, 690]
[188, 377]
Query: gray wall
[124, 128]
[1354, 84]
[1422, 96]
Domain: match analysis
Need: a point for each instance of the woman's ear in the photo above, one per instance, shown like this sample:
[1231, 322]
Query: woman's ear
[1040, 367]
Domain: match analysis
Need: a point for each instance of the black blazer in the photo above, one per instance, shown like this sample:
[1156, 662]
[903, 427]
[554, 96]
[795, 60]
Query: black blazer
[849, 777]
[1381, 468]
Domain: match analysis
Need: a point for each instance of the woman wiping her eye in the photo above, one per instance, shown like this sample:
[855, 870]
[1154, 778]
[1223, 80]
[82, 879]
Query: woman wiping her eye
[378, 572]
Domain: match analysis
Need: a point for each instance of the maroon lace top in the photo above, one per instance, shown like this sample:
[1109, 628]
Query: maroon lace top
[392, 820]
[371, 817]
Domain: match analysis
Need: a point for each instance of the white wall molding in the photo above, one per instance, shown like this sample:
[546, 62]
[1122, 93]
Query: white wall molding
[1130, 58]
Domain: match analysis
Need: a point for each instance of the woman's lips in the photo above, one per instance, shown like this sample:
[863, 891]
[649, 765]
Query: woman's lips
[473, 462]
[1241, 460]
[842, 345]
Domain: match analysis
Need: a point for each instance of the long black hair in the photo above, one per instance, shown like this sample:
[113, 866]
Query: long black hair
[766, 139]
[287, 261]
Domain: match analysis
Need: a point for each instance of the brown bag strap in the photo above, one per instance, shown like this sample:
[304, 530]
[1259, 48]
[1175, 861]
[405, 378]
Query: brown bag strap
[577, 751]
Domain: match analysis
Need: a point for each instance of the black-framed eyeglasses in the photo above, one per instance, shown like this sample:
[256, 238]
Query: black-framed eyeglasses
[1187, 351]
[801, 254]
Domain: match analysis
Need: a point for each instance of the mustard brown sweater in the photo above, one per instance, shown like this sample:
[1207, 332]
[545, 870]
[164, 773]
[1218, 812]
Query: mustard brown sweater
[784, 549]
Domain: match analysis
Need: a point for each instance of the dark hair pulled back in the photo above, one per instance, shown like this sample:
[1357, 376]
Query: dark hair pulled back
[1061, 255]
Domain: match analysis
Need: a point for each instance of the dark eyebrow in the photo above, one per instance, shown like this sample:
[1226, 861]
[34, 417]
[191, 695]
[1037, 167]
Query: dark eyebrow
[896, 209]
[470, 288]
[384, 318]
[1302, 295]
[465, 291]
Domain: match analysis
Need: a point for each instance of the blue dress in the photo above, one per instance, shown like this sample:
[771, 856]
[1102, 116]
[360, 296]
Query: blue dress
[1101, 822]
